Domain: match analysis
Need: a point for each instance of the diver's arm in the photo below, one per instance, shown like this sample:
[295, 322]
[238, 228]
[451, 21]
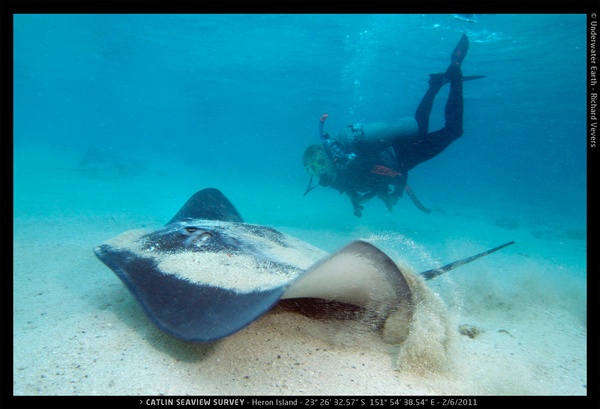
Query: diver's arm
[352, 194]
[338, 156]
[355, 200]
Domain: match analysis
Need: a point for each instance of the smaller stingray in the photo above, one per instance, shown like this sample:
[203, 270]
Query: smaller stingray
[206, 274]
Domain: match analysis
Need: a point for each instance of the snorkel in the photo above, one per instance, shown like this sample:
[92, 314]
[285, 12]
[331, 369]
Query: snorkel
[321, 123]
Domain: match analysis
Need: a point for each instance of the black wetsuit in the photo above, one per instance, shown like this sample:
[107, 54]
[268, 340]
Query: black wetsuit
[374, 170]
[411, 152]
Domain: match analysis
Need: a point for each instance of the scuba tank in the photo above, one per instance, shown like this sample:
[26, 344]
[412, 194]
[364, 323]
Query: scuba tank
[379, 133]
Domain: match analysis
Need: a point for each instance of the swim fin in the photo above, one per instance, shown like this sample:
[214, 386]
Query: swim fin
[472, 77]
[460, 52]
[440, 77]
[436, 81]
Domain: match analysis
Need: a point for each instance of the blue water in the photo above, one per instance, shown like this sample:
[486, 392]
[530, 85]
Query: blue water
[118, 119]
[243, 95]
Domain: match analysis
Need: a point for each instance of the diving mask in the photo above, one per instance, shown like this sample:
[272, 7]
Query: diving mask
[318, 166]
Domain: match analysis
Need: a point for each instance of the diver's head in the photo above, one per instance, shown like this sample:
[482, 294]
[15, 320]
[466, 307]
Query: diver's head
[315, 160]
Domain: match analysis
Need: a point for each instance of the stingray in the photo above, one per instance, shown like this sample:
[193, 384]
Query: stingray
[206, 274]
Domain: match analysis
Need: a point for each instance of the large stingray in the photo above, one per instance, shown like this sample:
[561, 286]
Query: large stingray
[206, 274]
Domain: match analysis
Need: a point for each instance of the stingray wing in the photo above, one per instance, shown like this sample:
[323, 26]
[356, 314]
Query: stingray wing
[189, 310]
[359, 274]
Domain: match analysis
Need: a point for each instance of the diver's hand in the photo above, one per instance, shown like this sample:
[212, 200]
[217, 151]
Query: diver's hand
[358, 211]
[389, 200]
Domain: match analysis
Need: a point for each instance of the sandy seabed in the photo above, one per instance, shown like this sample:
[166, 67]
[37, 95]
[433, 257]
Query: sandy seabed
[78, 330]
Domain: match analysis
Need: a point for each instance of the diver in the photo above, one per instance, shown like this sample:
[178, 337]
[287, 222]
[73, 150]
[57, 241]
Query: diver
[372, 160]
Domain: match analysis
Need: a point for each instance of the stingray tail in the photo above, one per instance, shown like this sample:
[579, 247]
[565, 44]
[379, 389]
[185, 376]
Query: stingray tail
[429, 274]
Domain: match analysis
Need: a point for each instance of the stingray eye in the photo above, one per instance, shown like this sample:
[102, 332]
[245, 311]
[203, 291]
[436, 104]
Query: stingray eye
[191, 229]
